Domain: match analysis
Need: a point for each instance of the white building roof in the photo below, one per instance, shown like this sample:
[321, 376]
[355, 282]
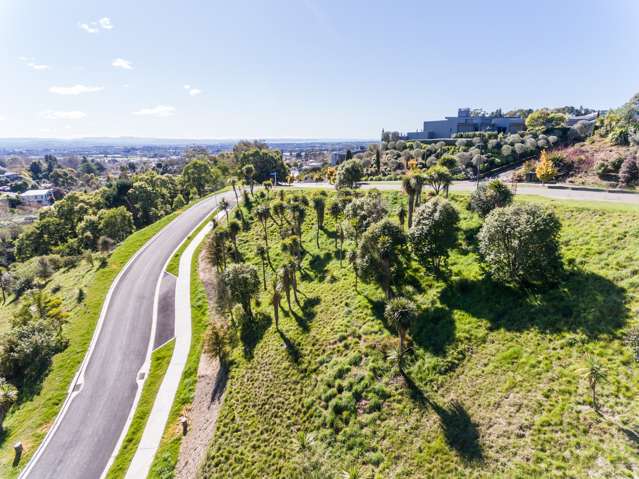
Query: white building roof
[35, 193]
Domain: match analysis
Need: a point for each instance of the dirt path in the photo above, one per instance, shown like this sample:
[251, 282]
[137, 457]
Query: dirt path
[209, 394]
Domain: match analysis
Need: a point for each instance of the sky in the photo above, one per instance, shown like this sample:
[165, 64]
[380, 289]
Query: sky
[211, 69]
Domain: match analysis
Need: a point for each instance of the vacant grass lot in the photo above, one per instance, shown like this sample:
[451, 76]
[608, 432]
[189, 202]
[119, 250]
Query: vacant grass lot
[495, 384]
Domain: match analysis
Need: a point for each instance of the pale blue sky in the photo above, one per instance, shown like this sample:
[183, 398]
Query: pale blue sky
[301, 68]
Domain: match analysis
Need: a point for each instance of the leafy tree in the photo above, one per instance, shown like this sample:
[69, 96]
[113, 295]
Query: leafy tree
[520, 244]
[8, 397]
[64, 178]
[198, 174]
[6, 285]
[179, 202]
[319, 205]
[381, 255]
[629, 172]
[348, 174]
[363, 212]
[44, 269]
[434, 232]
[545, 170]
[439, 178]
[116, 223]
[35, 336]
[105, 244]
[264, 161]
[540, 121]
[401, 313]
[243, 283]
[35, 168]
[488, 196]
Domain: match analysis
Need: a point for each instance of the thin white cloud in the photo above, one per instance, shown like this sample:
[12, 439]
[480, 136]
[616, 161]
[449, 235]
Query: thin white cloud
[31, 63]
[89, 27]
[75, 89]
[122, 63]
[161, 111]
[192, 90]
[105, 23]
[62, 115]
[94, 27]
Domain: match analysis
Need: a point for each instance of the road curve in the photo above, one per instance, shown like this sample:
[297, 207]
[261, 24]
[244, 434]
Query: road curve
[522, 189]
[89, 427]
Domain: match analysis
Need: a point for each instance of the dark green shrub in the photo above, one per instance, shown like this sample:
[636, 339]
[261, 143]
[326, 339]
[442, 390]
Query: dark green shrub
[488, 196]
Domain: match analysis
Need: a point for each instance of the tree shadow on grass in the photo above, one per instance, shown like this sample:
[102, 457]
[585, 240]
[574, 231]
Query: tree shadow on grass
[220, 382]
[308, 313]
[253, 332]
[583, 302]
[318, 264]
[434, 330]
[460, 431]
[291, 348]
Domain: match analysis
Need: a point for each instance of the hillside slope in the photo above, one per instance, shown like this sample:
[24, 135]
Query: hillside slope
[495, 386]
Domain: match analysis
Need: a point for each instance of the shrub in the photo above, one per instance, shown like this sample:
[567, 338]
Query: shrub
[8, 396]
[602, 168]
[520, 244]
[434, 232]
[349, 173]
[629, 172]
[545, 170]
[489, 196]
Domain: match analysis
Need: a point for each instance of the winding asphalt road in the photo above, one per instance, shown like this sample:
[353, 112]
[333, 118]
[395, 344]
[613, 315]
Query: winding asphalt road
[85, 435]
[522, 189]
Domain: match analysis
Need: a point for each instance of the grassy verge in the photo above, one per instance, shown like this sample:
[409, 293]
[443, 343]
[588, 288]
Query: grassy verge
[167, 454]
[160, 360]
[31, 418]
[497, 385]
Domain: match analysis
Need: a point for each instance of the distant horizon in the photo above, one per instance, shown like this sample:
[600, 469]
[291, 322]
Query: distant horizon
[300, 70]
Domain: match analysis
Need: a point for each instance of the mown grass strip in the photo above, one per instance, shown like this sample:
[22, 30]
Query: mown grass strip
[160, 360]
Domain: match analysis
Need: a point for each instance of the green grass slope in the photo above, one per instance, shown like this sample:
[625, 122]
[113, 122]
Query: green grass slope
[495, 384]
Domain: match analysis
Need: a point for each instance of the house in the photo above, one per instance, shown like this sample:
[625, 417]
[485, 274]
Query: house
[467, 120]
[37, 197]
[9, 177]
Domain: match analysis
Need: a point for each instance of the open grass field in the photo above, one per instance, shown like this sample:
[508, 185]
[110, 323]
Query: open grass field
[495, 383]
[29, 420]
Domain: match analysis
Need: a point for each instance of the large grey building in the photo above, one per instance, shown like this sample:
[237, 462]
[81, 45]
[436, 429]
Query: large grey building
[466, 121]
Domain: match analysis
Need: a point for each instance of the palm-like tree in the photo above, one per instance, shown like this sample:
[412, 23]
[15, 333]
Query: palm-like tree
[285, 284]
[279, 211]
[224, 205]
[401, 313]
[276, 299]
[263, 214]
[234, 228]
[261, 252]
[319, 205]
[249, 176]
[291, 269]
[298, 212]
[595, 374]
[335, 210]
[408, 188]
[417, 181]
[233, 182]
[401, 215]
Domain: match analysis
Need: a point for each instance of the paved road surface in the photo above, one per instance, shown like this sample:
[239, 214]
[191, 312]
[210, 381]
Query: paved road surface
[522, 189]
[81, 446]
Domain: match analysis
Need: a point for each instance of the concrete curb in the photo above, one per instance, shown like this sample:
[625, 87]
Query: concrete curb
[156, 422]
